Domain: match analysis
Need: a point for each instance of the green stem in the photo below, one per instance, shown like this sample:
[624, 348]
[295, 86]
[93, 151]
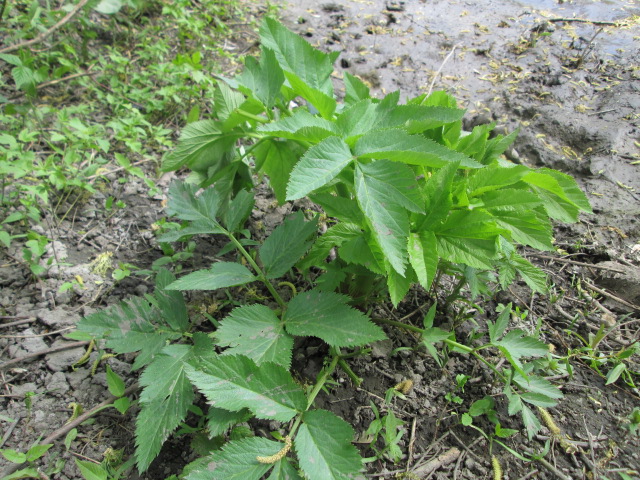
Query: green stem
[251, 116]
[450, 343]
[261, 275]
[316, 389]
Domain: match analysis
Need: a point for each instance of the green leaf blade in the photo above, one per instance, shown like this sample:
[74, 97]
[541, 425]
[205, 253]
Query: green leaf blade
[286, 245]
[234, 382]
[256, 332]
[324, 448]
[326, 315]
[319, 165]
[221, 275]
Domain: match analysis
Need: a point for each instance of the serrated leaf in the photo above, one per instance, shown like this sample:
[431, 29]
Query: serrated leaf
[438, 197]
[342, 208]
[264, 77]
[335, 236]
[385, 191]
[284, 470]
[277, 159]
[355, 89]
[510, 200]
[468, 237]
[201, 145]
[131, 326]
[302, 125]
[496, 330]
[324, 448]
[171, 303]
[527, 228]
[319, 165]
[195, 228]
[295, 55]
[219, 420]
[363, 250]
[256, 332]
[237, 461]
[326, 315]
[423, 256]
[398, 285]
[324, 103]
[90, 471]
[561, 197]
[165, 400]
[239, 210]
[287, 244]
[221, 275]
[184, 204]
[399, 146]
[234, 382]
[108, 7]
[515, 345]
[531, 422]
[494, 177]
[226, 100]
[538, 385]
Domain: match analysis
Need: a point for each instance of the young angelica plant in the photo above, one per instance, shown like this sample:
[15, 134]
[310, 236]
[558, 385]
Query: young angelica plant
[407, 195]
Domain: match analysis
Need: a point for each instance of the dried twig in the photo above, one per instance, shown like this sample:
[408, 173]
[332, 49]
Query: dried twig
[582, 20]
[17, 322]
[575, 262]
[446, 59]
[42, 352]
[434, 464]
[611, 296]
[45, 34]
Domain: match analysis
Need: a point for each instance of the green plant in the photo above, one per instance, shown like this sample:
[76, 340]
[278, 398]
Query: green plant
[408, 192]
[634, 421]
[409, 197]
[389, 428]
[36, 452]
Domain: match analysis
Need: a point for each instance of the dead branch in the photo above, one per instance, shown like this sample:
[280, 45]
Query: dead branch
[440, 461]
[42, 352]
[582, 20]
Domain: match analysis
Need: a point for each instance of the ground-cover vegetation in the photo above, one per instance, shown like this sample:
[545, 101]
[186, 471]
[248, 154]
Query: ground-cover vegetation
[407, 196]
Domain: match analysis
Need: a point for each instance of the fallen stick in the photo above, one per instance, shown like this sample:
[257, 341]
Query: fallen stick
[434, 464]
[42, 352]
[575, 262]
[582, 20]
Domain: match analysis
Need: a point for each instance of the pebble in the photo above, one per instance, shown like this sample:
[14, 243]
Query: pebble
[62, 361]
[57, 384]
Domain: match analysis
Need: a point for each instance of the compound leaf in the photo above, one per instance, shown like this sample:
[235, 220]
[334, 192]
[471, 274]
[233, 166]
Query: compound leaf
[438, 192]
[256, 332]
[326, 315]
[234, 382]
[515, 345]
[277, 159]
[219, 420]
[264, 77]
[385, 190]
[286, 245]
[468, 237]
[527, 227]
[324, 448]
[220, 275]
[165, 401]
[355, 89]
[201, 144]
[284, 470]
[133, 325]
[319, 165]
[237, 460]
[184, 204]
[302, 125]
[399, 146]
[423, 256]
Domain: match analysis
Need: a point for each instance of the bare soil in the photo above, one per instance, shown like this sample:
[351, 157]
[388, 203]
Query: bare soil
[573, 89]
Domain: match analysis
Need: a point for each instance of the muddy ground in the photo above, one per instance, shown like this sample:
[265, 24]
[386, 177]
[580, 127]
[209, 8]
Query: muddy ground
[572, 87]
